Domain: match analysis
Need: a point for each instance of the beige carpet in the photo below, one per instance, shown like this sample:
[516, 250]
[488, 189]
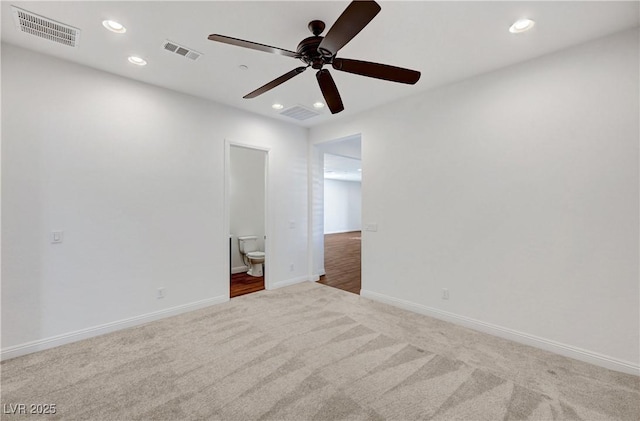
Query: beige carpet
[312, 352]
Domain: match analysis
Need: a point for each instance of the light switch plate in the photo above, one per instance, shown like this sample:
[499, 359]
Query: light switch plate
[56, 237]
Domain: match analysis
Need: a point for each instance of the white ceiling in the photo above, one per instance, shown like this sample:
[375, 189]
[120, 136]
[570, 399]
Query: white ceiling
[446, 41]
[338, 167]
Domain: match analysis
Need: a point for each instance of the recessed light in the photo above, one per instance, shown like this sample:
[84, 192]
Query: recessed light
[521, 25]
[138, 61]
[114, 26]
[318, 105]
[277, 106]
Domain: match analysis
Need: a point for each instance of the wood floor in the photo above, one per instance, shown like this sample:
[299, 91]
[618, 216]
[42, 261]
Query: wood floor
[342, 261]
[241, 284]
[341, 264]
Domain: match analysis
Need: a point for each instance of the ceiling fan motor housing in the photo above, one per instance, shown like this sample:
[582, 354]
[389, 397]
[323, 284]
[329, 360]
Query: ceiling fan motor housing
[308, 50]
[308, 47]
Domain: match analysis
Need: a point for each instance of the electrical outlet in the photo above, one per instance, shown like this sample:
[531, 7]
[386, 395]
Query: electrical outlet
[291, 267]
[371, 227]
[445, 294]
[160, 293]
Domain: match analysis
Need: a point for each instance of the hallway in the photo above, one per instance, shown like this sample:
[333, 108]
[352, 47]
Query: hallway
[342, 261]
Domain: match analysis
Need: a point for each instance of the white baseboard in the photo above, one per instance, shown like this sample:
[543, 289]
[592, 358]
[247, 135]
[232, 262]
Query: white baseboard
[239, 269]
[314, 277]
[67, 338]
[513, 335]
[343, 231]
[288, 282]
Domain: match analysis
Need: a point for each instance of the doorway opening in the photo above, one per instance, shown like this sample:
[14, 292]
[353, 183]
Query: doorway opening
[246, 205]
[336, 213]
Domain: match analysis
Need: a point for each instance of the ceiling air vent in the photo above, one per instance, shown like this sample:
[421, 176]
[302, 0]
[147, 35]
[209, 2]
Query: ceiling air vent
[181, 50]
[299, 113]
[46, 28]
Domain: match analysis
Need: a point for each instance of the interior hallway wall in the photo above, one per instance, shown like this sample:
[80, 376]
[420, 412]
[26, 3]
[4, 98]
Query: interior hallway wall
[134, 176]
[521, 188]
[342, 206]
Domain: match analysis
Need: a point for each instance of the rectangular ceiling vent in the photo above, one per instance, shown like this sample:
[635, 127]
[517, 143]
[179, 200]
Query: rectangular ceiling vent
[299, 113]
[46, 28]
[181, 50]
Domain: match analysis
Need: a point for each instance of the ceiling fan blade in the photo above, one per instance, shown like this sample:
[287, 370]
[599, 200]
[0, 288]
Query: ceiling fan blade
[377, 70]
[285, 77]
[329, 91]
[354, 18]
[252, 45]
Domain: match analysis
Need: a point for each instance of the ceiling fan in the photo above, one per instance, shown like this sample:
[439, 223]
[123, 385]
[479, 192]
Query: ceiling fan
[317, 51]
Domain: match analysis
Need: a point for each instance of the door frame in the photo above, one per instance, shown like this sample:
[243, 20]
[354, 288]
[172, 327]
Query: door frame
[316, 189]
[227, 208]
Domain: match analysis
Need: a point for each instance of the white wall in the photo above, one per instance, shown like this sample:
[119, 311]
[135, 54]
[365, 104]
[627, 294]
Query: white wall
[134, 176]
[246, 199]
[520, 190]
[342, 206]
[349, 147]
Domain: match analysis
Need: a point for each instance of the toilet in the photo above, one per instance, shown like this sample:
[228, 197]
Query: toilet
[254, 258]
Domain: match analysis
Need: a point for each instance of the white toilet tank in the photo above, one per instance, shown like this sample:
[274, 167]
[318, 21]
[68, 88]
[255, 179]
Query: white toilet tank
[248, 243]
